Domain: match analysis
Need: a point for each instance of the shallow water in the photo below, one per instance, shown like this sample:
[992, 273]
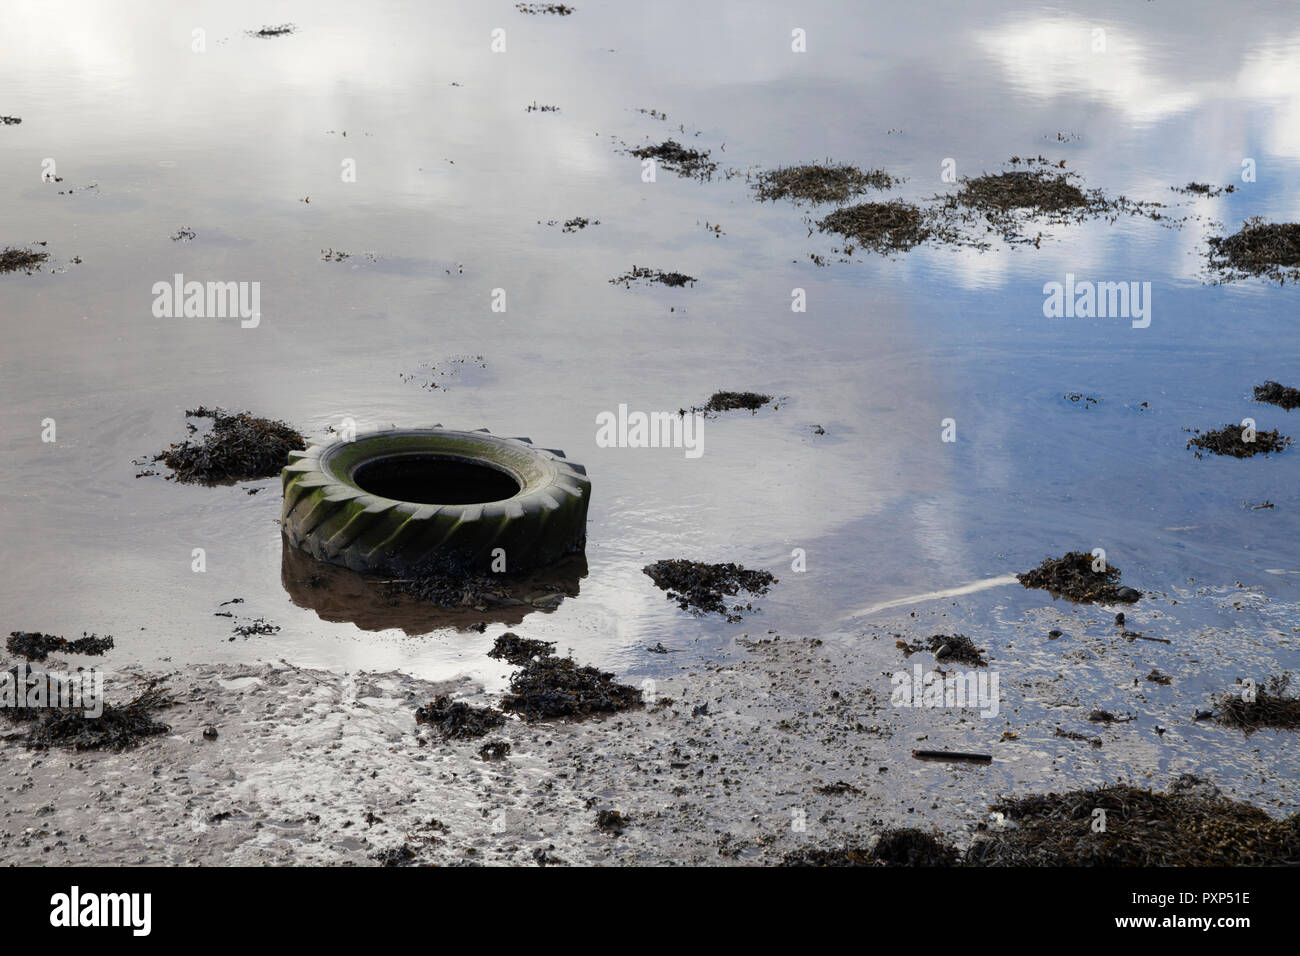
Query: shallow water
[455, 182]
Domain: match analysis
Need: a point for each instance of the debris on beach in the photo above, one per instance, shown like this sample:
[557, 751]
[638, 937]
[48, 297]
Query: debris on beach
[1274, 393]
[730, 401]
[1203, 189]
[257, 627]
[1231, 440]
[909, 846]
[947, 647]
[1035, 192]
[1268, 706]
[882, 227]
[37, 647]
[1073, 735]
[819, 182]
[441, 372]
[119, 727]
[611, 821]
[676, 158]
[1073, 577]
[641, 273]
[549, 686]
[1186, 826]
[238, 447]
[1259, 249]
[457, 719]
[575, 224]
[537, 9]
[701, 588]
[13, 259]
[517, 650]
[284, 29]
[952, 756]
[494, 750]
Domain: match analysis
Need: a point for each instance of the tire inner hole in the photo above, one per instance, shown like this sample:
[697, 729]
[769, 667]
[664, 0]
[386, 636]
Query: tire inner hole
[434, 480]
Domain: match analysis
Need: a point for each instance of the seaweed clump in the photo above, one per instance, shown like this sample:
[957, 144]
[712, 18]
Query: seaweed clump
[517, 650]
[1259, 248]
[819, 183]
[729, 401]
[882, 227]
[550, 686]
[239, 447]
[13, 259]
[679, 159]
[1203, 189]
[449, 582]
[948, 647]
[119, 727]
[1276, 394]
[1073, 577]
[1268, 706]
[1035, 191]
[673, 279]
[458, 719]
[37, 647]
[702, 588]
[1186, 826]
[1231, 440]
[908, 846]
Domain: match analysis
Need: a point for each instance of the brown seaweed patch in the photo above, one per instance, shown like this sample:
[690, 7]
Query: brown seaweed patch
[13, 259]
[1236, 441]
[1274, 393]
[550, 686]
[37, 647]
[882, 227]
[1257, 707]
[703, 588]
[517, 650]
[1267, 249]
[819, 182]
[947, 647]
[1073, 577]
[676, 158]
[730, 401]
[239, 447]
[1182, 827]
[907, 846]
[119, 727]
[457, 719]
[642, 274]
[1035, 191]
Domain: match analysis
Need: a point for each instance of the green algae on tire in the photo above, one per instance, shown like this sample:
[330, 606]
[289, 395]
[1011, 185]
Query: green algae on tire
[392, 501]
